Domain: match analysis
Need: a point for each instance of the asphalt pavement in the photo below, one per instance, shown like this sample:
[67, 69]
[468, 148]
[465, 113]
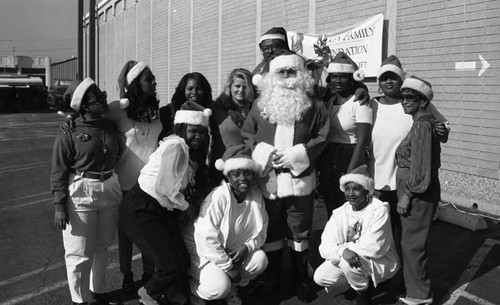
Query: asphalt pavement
[463, 265]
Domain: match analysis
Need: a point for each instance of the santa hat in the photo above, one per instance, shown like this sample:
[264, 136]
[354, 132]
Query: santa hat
[391, 64]
[342, 63]
[359, 175]
[76, 91]
[293, 61]
[236, 157]
[130, 71]
[193, 114]
[419, 85]
[278, 33]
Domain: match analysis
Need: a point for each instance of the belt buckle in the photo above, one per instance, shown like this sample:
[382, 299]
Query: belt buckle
[102, 176]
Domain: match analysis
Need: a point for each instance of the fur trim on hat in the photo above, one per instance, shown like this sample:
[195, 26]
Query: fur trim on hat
[193, 117]
[391, 68]
[361, 179]
[287, 61]
[76, 99]
[272, 36]
[236, 163]
[340, 68]
[419, 85]
[135, 71]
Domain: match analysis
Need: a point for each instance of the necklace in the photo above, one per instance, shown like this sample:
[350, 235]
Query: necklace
[103, 148]
[143, 133]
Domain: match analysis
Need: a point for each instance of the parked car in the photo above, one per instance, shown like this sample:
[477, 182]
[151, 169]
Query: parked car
[55, 98]
[22, 93]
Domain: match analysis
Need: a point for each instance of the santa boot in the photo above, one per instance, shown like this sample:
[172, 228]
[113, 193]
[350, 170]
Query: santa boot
[304, 289]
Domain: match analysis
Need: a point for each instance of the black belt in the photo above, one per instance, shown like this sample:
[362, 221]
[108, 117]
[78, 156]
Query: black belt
[103, 176]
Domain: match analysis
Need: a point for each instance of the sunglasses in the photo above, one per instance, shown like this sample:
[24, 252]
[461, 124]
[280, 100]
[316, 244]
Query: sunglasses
[99, 99]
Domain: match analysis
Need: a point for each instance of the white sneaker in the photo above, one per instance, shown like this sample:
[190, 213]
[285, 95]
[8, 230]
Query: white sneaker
[145, 298]
[196, 300]
[233, 298]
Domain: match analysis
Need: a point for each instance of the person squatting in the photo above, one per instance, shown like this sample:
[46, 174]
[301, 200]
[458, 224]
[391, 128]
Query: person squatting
[212, 192]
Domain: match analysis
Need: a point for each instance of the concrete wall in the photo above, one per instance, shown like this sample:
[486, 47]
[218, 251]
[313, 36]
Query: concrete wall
[431, 37]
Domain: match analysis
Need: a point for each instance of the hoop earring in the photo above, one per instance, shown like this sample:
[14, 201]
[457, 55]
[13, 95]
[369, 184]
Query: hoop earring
[380, 91]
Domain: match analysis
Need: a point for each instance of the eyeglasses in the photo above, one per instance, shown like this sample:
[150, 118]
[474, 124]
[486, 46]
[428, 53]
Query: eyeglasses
[286, 72]
[410, 97]
[270, 49]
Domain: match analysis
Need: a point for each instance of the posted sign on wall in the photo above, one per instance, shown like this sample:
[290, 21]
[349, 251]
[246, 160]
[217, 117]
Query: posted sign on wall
[362, 42]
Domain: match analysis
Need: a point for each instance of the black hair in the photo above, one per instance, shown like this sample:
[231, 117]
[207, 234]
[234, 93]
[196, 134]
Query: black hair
[200, 154]
[141, 109]
[179, 96]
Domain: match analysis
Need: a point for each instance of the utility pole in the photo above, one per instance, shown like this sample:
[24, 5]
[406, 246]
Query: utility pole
[80, 40]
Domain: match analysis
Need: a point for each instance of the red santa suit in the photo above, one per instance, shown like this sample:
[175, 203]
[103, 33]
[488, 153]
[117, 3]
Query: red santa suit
[289, 189]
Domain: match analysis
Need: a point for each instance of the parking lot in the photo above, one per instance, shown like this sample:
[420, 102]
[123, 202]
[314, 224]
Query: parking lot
[464, 265]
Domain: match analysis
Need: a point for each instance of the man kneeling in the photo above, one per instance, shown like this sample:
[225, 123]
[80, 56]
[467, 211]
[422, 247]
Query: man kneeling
[357, 241]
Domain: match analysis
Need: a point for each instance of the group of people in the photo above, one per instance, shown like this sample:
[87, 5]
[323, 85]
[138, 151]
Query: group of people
[212, 192]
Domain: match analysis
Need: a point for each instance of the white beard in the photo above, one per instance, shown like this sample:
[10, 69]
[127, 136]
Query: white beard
[285, 100]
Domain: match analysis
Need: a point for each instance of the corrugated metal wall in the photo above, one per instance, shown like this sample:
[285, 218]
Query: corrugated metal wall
[430, 37]
[64, 71]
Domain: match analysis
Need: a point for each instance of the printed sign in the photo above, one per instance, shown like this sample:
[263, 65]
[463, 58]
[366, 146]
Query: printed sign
[362, 42]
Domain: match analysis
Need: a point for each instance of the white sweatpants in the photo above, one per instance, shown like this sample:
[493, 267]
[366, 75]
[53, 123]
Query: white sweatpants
[93, 219]
[337, 277]
[212, 283]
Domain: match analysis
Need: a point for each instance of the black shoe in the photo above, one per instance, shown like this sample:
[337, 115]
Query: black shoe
[84, 303]
[305, 294]
[145, 278]
[104, 299]
[364, 298]
[128, 283]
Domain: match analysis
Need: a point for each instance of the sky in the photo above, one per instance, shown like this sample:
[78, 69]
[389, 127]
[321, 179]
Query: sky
[39, 28]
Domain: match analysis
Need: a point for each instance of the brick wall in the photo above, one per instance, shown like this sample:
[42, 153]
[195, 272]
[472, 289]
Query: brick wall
[429, 36]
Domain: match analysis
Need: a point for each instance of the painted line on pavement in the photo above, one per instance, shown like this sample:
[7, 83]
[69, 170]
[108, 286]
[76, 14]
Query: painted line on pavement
[25, 197]
[55, 286]
[40, 270]
[24, 149]
[29, 138]
[468, 275]
[25, 204]
[23, 167]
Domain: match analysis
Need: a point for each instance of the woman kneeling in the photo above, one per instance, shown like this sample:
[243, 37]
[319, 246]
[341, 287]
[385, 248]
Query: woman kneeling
[357, 241]
[228, 233]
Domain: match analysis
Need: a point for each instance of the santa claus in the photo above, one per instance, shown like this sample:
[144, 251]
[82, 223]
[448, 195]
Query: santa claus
[287, 129]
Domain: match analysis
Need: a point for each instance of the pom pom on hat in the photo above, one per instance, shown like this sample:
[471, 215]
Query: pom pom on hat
[342, 63]
[76, 91]
[130, 71]
[193, 114]
[419, 85]
[391, 64]
[360, 175]
[236, 157]
[256, 79]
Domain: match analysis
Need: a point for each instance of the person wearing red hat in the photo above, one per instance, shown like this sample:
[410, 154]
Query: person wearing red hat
[151, 212]
[86, 191]
[136, 116]
[357, 242]
[390, 127]
[286, 129]
[418, 188]
[350, 129]
[226, 238]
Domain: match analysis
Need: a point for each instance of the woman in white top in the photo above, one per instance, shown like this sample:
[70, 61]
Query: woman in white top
[229, 232]
[350, 130]
[357, 242]
[149, 213]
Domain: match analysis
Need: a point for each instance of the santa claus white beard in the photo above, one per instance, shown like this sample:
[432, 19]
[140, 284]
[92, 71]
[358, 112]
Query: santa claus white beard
[285, 100]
